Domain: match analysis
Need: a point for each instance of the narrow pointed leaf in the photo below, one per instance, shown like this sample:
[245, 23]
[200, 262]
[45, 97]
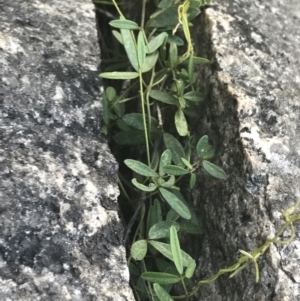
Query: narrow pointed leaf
[188, 226]
[180, 123]
[136, 121]
[187, 163]
[124, 24]
[161, 278]
[161, 230]
[165, 249]
[150, 61]
[165, 159]
[194, 96]
[161, 293]
[163, 97]
[192, 181]
[175, 39]
[175, 249]
[175, 147]
[189, 272]
[139, 249]
[142, 187]
[200, 60]
[141, 49]
[173, 55]
[119, 75]
[154, 215]
[155, 43]
[214, 170]
[118, 36]
[140, 168]
[175, 170]
[130, 48]
[191, 70]
[172, 215]
[175, 203]
[165, 3]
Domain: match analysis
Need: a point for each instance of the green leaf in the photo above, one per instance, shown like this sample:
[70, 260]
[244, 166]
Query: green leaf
[193, 179]
[154, 215]
[119, 108]
[175, 249]
[169, 183]
[133, 137]
[110, 93]
[187, 163]
[150, 61]
[155, 43]
[173, 55]
[182, 102]
[139, 249]
[175, 170]
[180, 123]
[124, 24]
[214, 170]
[175, 147]
[118, 36]
[165, 18]
[142, 187]
[175, 203]
[136, 121]
[165, 249]
[200, 60]
[179, 86]
[165, 266]
[175, 39]
[172, 215]
[191, 227]
[140, 168]
[161, 230]
[204, 149]
[193, 12]
[130, 48]
[163, 97]
[119, 75]
[165, 3]
[165, 159]
[189, 272]
[191, 70]
[161, 278]
[161, 293]
[193, 96]
[141, 49]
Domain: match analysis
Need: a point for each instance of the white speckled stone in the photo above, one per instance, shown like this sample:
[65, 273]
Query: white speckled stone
[252, 115]
[60, 234]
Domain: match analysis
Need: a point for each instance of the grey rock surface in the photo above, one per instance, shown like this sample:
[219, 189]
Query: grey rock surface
[253, 117]
[60, 234]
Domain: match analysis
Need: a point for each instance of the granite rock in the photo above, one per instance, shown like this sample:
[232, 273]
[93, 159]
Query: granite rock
[252, 116]
[60, 234]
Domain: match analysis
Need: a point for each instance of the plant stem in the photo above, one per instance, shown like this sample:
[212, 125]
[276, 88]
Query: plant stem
[144, 117]
[118, 9]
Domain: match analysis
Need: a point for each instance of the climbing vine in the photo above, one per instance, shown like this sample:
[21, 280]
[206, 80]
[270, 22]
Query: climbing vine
[149, 103]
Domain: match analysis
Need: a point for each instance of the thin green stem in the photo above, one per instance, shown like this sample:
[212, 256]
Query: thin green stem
[144, 117]
[118, 9]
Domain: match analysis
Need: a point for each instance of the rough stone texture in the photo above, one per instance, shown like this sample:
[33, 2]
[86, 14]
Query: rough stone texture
[252, 116]
[60, 235]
